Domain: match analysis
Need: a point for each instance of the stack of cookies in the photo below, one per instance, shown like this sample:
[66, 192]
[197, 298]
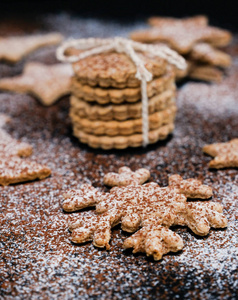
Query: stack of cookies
[199, 43]
[105, 104]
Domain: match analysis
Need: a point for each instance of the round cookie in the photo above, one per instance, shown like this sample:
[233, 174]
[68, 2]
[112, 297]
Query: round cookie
[117, 96]
[122, 142]
[128, 127]
[115, 69]
[120, 112]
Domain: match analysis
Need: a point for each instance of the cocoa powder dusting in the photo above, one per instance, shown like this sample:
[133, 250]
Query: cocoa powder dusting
[37, 259]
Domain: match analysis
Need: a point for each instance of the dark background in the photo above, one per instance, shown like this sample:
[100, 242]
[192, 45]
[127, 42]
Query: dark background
[219, 12]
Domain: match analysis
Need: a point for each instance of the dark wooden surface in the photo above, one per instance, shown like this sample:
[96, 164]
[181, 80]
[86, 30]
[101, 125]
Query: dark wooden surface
[37, 259]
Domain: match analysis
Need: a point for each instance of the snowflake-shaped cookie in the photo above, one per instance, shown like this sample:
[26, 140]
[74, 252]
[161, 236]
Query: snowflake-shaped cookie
[13, 168]
[146, 209]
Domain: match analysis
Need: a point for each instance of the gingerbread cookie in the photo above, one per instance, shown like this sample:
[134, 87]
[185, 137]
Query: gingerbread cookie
[205, 72]
[10, 145]
[122, 142]
[47, 83]
[115, 70]
[199, 20]
[183, 34]
[146, 209]
[196, 40]
[128, 127]
[130, 87]
[13, 49]
[226, 154]
[120, 112]
[13, 168]
[117, 96]
[205, 53]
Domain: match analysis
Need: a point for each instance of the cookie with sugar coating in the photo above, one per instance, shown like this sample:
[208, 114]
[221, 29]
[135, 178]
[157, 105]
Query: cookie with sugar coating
[115, 69]
[225, 154]
[13, 49]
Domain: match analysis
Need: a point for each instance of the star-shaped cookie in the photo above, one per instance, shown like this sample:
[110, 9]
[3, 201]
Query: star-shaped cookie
[47, 82]
[199, 20]
[226, 154]
[207, 54]
[182, 34]
[13, 49]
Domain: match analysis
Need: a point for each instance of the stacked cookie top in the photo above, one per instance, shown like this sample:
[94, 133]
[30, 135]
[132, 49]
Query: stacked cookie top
[106, 106]
[193, 38]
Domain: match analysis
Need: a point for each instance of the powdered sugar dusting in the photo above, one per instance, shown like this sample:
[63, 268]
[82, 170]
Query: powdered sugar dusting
[37, 259]
[212, 99]
[148, 210]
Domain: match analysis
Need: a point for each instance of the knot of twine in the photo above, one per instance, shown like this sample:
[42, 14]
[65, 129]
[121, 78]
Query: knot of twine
[93, 46]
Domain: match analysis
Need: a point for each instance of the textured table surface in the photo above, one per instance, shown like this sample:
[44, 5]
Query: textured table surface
[37, 259]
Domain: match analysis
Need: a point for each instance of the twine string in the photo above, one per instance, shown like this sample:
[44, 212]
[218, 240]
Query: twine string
[93, 46]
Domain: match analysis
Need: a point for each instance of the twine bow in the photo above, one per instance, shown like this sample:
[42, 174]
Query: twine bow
[93, 46]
